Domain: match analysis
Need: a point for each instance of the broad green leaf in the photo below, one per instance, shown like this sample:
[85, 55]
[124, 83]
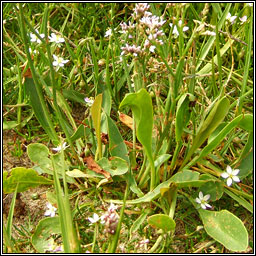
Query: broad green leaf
[225, 228]
[96, 118]
[44, 230]
[115, 166]
[38, 153]
[247, 122]
[182, 115]
[24, 178]
[162, 221]
[137, 223]
[40, 110]
[141, 105]
[212, 121]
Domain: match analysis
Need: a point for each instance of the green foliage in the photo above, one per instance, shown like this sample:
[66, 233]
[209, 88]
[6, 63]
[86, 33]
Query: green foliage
[44, 230]
[225, 228]
[23, 178]
[162, 221]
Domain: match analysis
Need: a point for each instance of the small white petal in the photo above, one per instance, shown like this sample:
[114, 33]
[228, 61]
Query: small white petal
[229, 182]
[198, 200]
[229, 170]
[207, 205]
[235, 172]
[203, 206]
[236, 179]
[185, 29]
[225, 175]
[207, 197]
[201, 196]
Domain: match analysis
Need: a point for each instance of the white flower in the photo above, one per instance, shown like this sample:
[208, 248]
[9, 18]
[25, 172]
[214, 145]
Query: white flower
[59, 61]
[230, 18]
[175, 30]
[89, 101]
[95, 218]
[202, 200]
[243, 19]
[108, 33]
[51, 211]
[230, 175]
[250, 4]
[56, 38]
[34, 38]
[152, 48]
[61, 147]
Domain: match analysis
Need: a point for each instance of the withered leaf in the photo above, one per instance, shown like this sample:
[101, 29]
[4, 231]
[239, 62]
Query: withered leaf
[92, 165]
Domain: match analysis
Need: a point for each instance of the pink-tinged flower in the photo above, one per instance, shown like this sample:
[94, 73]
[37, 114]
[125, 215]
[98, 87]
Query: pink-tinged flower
[231, 175]
[51, 210]
[243, 19]
[202, 200]
[89, 101]
[230, 18]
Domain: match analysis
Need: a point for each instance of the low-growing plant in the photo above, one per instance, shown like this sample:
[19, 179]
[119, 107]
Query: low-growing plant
[163, 118]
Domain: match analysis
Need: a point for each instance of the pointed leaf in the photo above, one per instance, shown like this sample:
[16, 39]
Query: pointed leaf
[141, 105]
[96, 118]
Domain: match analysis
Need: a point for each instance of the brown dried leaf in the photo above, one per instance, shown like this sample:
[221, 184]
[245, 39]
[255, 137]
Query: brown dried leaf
[127, 120]
[92, 165]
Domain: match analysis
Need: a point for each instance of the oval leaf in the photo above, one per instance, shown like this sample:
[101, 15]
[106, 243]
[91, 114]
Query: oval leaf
[162, 221]
[225, 228]
[45, 228]
[247, 122]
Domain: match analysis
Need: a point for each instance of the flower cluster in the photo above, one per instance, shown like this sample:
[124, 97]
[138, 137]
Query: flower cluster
[134, 50]
[53, 38]
[140, 9]
[110, 219]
